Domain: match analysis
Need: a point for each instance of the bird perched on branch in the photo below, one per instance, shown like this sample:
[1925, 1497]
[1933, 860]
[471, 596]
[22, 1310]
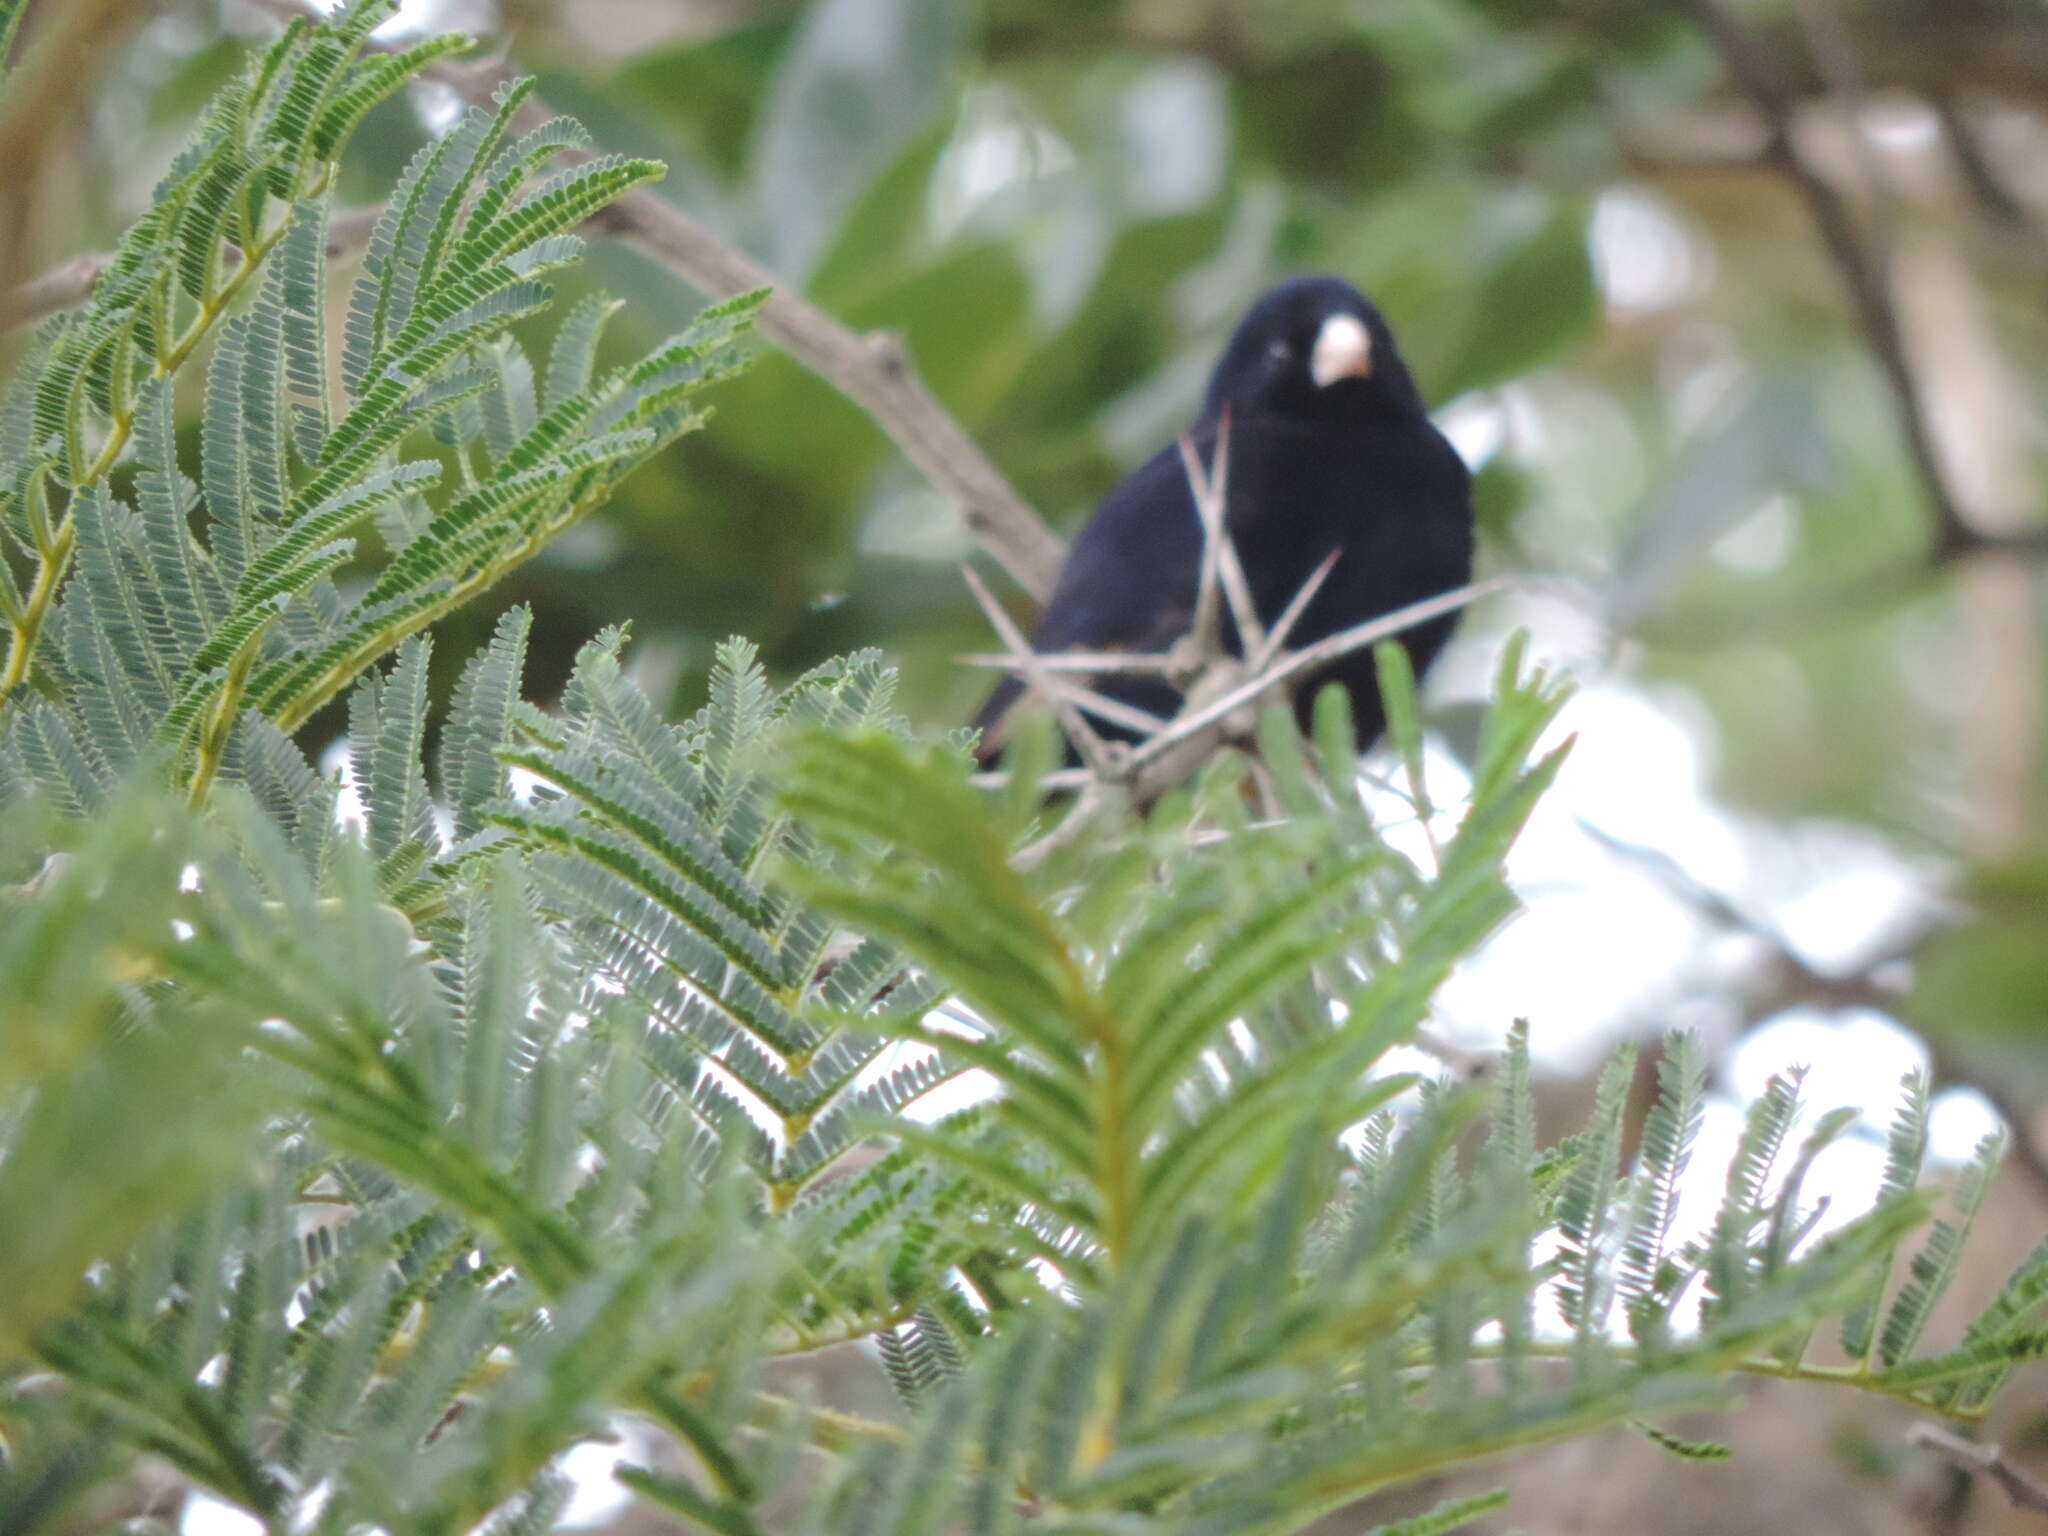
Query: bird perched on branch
[1331, 457]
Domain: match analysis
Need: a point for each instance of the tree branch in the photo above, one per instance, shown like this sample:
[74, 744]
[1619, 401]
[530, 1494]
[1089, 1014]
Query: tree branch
[874, 371]
[59, 288]
[2024, 1490]
[1755, 74]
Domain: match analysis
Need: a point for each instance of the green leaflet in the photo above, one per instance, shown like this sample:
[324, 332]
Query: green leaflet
[191, 610]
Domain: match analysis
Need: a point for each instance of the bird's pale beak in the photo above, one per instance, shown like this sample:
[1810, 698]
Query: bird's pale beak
[1343, 350]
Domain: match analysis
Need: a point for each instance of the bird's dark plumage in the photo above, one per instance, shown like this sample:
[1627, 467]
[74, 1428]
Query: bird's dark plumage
[1330, 447]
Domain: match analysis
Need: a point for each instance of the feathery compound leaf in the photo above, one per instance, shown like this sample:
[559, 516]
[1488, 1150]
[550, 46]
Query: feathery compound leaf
[509, 406]
[976, 923]
[574, 354]
[1404, 720]
[387, 723]
[201, 224]
[513, 165]
[1668, 1135]
[1727, 1260]
[188, 585]
[301, 94]
[2019, 1302]
[919, 1355]
[480, 722]
[1934, 1266]
[1447, 1516]
[262, 423]
[133, 331]
[298, 281]
[1905, 1151]
[429, 196]
[558, 204]
[1585, 1207]
[1684, 1450]
[493, 521]
[232, 531]
[369, 82]
[311, 527]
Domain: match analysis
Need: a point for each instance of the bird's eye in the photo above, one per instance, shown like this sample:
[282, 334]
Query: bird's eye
[1279, 349]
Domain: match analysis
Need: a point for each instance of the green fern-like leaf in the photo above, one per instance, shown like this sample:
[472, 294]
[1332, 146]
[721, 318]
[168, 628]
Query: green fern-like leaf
[1447, 1516]
[1933, 1268]
[1905, 1150]
[1666, 1149]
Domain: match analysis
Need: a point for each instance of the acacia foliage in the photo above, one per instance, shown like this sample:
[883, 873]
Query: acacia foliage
[368, 1142]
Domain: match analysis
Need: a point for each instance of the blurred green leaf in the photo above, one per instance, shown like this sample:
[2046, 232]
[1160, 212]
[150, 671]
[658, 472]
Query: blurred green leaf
[112, 1092]
[1122, 331]
[1539, 298]
[858, 77]
[885, 230]
[711, 89]
[1767, 444]
[1989, 977]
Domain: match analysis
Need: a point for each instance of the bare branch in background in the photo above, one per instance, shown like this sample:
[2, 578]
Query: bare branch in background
[2022, 1488]
[62, 50]
[1756, 75]
[59, 288]
[874, 371]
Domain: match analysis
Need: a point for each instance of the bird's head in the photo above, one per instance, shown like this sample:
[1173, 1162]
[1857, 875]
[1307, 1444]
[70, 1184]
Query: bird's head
[1314, 347]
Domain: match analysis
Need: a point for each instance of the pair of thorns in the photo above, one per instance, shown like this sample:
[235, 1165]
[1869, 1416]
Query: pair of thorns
[1219, 690]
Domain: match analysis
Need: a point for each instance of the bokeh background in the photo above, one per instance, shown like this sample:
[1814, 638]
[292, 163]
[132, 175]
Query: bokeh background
[1804, 814]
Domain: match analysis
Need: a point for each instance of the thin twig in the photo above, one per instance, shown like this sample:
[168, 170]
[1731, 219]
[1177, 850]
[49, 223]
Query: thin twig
[59, 288]
[1058, 781]
[1150, 663]
[1343, 643]
[874, 370]
[2023, 1489]
[1276, 638]
[1205, 629]
[1095, 752]
[1072, 825]
[1221, 567]
[1101, 705]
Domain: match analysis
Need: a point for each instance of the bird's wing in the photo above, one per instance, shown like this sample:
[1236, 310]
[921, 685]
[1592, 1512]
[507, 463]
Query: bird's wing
[1130, 580]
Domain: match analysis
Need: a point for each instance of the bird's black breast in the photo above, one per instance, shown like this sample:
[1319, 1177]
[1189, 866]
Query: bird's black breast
[1391, 495]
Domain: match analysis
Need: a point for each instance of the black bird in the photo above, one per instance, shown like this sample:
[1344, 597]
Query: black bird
[1330, 448]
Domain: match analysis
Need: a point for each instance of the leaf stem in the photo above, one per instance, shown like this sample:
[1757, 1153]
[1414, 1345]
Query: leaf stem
[220, 720]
